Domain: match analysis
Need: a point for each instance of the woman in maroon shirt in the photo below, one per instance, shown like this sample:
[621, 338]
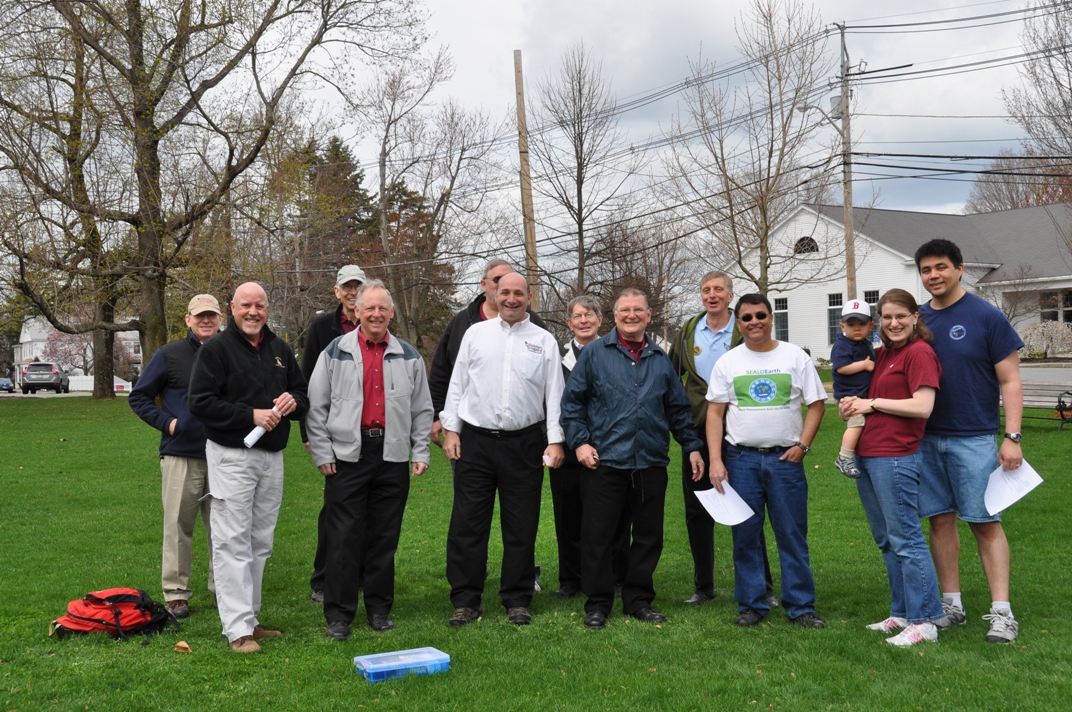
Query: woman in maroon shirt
[900, 400]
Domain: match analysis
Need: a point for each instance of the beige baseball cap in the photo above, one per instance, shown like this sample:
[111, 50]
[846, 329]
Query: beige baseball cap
[203, 303]
[350, 273]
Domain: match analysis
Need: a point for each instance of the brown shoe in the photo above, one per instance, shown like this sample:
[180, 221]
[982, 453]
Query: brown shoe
[519, 615]
[179, 608]
[465, 616]
[260, 632]
[245, 644]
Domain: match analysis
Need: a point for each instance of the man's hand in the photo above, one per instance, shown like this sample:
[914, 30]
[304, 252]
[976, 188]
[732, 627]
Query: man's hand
[587, 456]
[718, 475]
[696, 460]
[793, 454]
[308, 449]
[437, 434]
[265, 418]
[452, 445]
[554, 455]
[171, 426]
[1010, 455]
[327, 470]
[285, 404]
[419, 468]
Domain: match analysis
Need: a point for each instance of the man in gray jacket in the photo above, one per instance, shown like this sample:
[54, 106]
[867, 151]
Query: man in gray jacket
[369, 409]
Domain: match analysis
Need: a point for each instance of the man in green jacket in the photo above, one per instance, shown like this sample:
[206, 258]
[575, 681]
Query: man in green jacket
[702, 340]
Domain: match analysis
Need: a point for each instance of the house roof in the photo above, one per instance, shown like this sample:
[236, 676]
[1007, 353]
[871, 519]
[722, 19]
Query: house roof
[1006, 240]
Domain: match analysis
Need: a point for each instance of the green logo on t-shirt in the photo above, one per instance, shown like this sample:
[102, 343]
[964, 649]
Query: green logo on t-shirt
[763, 391]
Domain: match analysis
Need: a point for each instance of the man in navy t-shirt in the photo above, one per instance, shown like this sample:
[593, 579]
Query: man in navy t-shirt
[978, 350]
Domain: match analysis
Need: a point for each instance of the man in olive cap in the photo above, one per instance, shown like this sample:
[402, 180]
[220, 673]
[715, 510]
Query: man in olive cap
[182, 448]
[323, 331]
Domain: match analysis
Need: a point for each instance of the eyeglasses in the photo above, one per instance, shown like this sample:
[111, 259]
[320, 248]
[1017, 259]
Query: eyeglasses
[584, 315]
[349, 287]
[758, 316]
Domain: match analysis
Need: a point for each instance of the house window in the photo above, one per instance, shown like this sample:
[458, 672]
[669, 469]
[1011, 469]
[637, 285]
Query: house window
[833, 315]
[871, 297]
[781, 319]
[1066, 306]
[1048, 304]
[805, 245]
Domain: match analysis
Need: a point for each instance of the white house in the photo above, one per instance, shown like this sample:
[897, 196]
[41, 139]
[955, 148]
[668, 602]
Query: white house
[35, 335]
[1019, 259]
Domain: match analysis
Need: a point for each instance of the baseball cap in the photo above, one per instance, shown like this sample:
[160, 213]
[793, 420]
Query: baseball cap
[856, 308]
[349, 273]
[203, 303]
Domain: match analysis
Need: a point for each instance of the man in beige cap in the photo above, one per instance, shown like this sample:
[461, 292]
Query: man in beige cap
[322, 332]
[182, 448]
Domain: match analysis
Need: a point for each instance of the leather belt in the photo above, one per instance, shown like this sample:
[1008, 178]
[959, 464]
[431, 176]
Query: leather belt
[507, 433]
[764, 450]
[374, 434]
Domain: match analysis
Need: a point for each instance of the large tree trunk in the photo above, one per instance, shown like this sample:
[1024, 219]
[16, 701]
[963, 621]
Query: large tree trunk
[104, 353]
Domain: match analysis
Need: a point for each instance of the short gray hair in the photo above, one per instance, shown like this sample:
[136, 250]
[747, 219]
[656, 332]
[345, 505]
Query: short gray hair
[718, 274]
[587, 301]
[374, 284]
[493, 263]
[631, 292]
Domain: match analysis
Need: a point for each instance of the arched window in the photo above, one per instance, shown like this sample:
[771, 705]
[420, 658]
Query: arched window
[805, 245]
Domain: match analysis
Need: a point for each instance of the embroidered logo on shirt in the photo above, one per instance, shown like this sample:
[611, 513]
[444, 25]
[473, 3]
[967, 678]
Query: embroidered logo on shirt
[279, 363]
[696, 350]
[534, 348]
[958, 332]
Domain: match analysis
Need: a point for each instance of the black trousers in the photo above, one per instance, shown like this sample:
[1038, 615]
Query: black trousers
[511, 465]
[320, 559]
[569, 511]
[701, 528]
[608, 493]
[364, 502]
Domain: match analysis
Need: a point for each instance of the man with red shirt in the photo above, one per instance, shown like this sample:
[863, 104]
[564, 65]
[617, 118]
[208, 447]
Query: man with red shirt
[370, 411]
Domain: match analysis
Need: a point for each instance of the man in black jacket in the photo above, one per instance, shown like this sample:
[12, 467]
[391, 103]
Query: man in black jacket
[322, 332]
[182, 449]
[480, 309]
[244, 384]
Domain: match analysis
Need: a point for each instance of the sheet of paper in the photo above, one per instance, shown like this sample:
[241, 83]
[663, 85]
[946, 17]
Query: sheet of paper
[1007, 487]
[728, 509]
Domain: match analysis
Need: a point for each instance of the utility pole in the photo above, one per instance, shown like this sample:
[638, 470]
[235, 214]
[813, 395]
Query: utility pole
[526, 184]
[846, 173]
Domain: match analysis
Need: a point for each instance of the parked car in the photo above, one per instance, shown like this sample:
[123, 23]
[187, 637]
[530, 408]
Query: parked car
[7, 385]
[46, 376]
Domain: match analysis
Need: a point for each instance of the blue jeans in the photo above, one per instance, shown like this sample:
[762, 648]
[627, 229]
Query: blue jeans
[780, 488]
[889, 491]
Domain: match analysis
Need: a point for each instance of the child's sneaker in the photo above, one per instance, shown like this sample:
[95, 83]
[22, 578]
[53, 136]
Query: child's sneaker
[915, 633]
[889, 625]
[1003, 627]
[847, 466]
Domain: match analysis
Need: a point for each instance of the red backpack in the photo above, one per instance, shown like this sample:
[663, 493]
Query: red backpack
[116, 611]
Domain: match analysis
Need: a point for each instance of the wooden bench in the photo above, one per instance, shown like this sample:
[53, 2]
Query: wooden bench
[1049, 396]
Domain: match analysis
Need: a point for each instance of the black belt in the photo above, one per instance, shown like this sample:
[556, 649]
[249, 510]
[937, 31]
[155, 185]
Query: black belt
[374, 434]
[765, 450]
[507, 433]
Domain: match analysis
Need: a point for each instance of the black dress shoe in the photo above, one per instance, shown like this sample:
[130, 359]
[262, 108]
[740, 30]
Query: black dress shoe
[595, 620]
[566, 592]
[380, 622]
[748, 617]
[699, 598]
[647, 615]
[808, 620]
[339, 630]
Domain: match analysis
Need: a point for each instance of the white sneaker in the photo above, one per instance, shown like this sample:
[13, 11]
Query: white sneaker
[954, 615]
[1003, 627]
[889, 625]
[915, 633]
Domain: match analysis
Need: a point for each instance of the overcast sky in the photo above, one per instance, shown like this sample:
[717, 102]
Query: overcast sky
[645, 45]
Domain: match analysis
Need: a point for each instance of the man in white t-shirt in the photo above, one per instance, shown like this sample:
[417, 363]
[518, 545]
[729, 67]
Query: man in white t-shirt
[759, 387]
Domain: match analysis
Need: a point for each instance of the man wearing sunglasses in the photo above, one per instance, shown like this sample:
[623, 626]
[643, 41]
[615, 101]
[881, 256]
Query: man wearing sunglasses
[758, 387]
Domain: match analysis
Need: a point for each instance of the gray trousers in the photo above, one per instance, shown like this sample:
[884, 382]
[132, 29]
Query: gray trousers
[246, 489]
[183, 486]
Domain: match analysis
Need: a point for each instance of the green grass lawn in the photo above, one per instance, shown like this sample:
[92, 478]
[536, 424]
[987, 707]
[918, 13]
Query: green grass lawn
[80, 510]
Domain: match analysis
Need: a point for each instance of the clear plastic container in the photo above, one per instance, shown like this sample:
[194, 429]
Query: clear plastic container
[388, 666]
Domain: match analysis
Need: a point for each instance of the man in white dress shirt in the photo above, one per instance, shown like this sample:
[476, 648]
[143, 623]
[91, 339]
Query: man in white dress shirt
[501, 421]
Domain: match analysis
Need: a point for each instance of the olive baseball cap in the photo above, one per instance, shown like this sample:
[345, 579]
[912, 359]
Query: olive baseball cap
[350, 273]
[203, 303]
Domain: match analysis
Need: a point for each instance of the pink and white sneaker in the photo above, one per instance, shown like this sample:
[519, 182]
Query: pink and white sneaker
[915, 633]
[889, 625]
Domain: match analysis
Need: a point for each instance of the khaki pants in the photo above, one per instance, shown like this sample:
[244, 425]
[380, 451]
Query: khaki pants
[184, 483]
[246, 489]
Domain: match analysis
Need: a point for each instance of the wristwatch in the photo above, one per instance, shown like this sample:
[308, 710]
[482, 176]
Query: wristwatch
[802, 446]
[1015, 437]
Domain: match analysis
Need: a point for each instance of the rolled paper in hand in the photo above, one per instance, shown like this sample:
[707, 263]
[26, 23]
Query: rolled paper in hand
[256, 433]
